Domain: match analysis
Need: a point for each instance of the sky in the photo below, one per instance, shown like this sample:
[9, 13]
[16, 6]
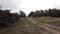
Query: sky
[29, 5]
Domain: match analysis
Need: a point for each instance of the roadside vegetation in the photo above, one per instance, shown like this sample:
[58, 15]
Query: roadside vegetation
[10, 22]
[15, 29]
[46, 19]
[50, 16]
[49, 20]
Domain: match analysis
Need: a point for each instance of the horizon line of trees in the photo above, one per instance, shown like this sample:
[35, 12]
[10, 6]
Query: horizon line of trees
[49, 13]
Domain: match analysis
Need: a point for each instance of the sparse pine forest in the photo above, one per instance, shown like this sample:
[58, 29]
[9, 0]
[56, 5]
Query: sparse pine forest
[48, 13]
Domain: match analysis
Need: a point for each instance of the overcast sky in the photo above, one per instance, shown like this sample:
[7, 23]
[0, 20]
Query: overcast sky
[29, 5]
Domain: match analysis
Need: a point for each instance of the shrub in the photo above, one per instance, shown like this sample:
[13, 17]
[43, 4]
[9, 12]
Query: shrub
[7, 18]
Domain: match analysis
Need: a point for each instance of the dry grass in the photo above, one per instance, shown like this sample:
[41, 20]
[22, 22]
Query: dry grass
[23, 19]
[47, 19]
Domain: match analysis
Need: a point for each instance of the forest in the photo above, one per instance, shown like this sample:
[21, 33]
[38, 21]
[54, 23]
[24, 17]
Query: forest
[49, 13]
